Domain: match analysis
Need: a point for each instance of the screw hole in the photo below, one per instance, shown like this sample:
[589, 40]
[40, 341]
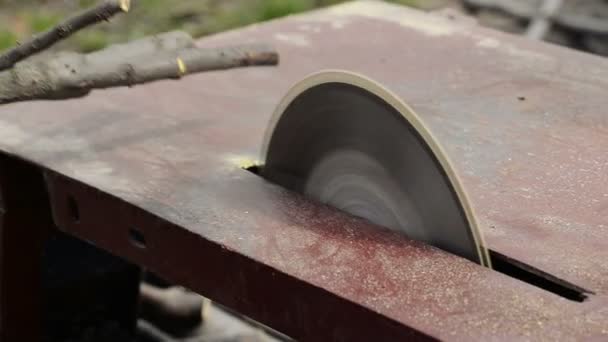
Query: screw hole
[137, 238]
[73, 209]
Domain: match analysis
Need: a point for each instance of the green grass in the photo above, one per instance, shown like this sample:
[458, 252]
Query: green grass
[86, 3]
[41, 21]
[7, 39]
[411, 3]
[198, 17]
[89, 41]
[271, 9]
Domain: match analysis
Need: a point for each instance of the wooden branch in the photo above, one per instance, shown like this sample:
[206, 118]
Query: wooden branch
[174, 65]
[101, 12]
[75, 75]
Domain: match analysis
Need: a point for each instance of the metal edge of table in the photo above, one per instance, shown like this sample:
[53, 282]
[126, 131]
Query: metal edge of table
[309, 307]
[273, 297]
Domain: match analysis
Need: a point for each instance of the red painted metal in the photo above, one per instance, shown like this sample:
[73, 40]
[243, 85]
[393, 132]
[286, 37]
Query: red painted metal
[521, 121]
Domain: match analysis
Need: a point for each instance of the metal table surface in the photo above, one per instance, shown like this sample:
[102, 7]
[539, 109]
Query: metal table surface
[523, 123]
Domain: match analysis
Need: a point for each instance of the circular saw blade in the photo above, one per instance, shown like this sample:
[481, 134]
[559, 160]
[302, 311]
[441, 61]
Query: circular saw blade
[346, 141]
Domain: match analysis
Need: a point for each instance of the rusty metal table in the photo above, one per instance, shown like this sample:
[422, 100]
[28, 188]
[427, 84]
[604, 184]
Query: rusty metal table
[153, 174]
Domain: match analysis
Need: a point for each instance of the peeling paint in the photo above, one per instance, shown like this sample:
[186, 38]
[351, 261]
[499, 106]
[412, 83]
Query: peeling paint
[292, 38]
[429, 24]
[493, 43]
[487, 42]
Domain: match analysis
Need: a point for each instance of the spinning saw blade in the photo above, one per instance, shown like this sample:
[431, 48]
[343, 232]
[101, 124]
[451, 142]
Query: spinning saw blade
[346, 141]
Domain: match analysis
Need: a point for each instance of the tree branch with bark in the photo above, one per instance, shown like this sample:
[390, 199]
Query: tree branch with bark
[68, 75]
[102, 12]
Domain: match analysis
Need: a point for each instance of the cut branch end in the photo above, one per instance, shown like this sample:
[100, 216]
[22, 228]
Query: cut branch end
[125, 5]
[181, 67]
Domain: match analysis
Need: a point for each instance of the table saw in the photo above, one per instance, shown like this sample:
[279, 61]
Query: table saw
[431, 180]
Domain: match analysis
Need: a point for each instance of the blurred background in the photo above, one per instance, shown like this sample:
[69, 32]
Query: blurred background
[20, 19]
[581, 24]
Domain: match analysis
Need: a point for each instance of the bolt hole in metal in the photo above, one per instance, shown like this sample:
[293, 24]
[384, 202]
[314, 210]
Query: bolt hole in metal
[137, 238]
[73, 209]
[517, 270]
